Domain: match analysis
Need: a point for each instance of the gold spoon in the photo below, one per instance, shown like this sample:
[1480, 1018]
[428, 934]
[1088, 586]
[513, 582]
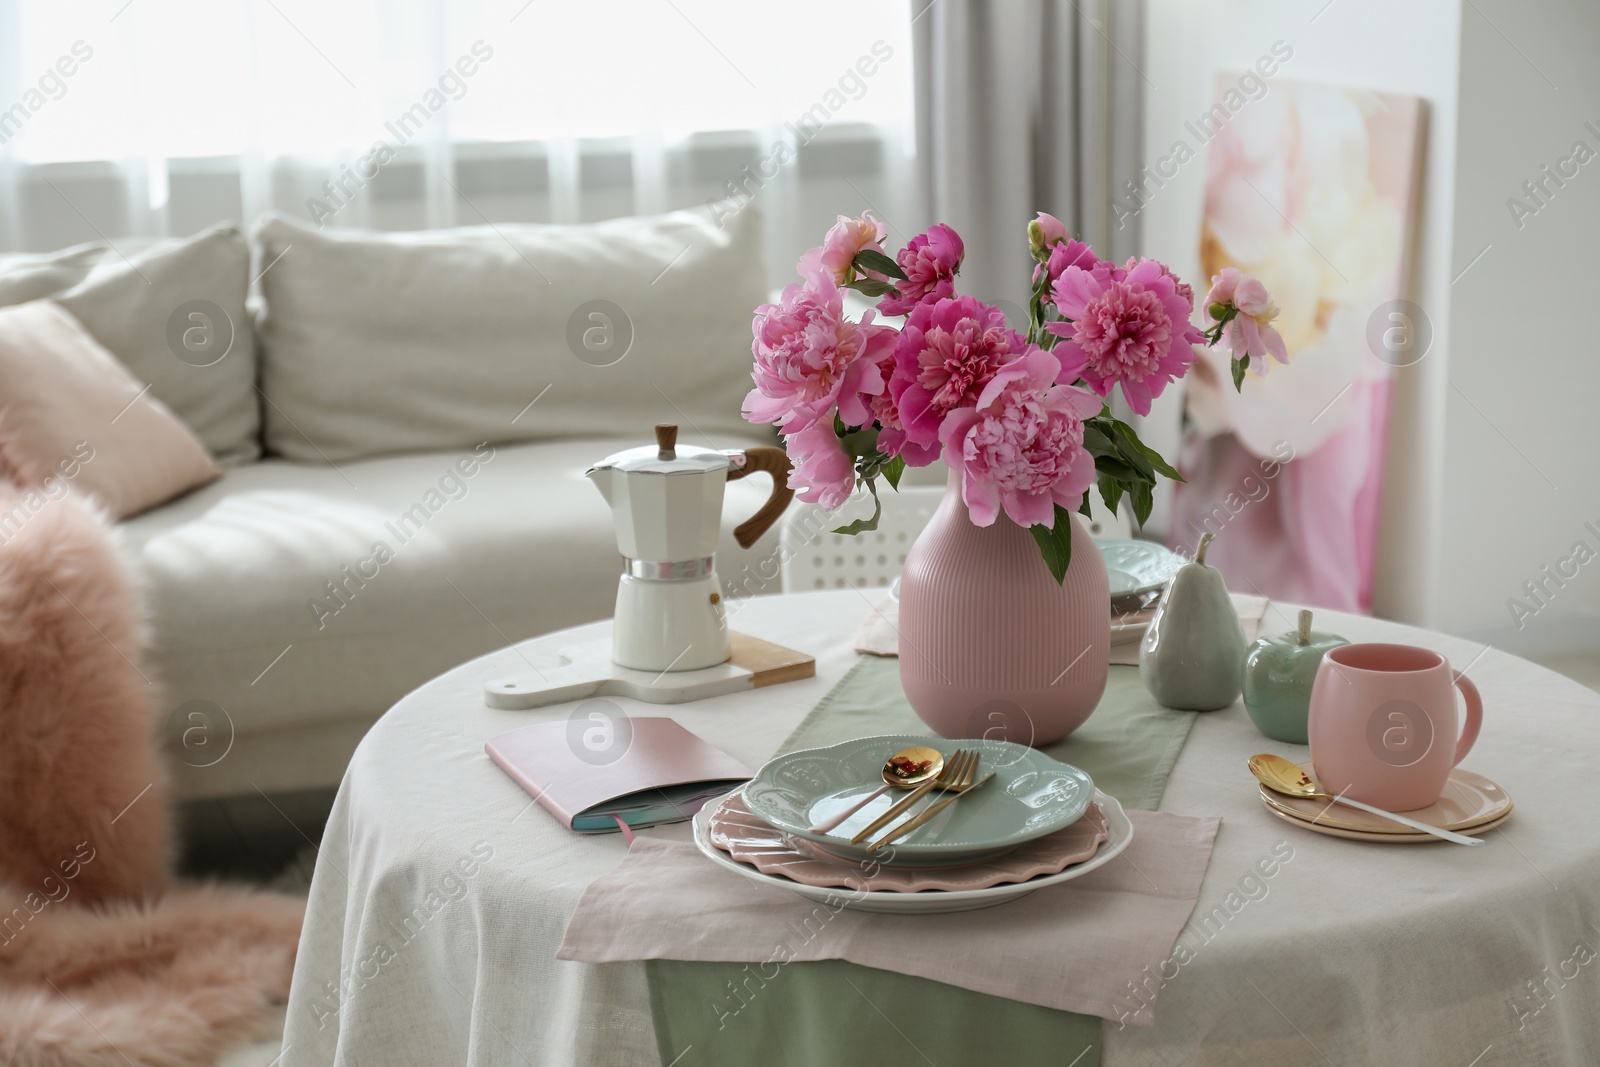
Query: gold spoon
[1281, 776]
[906, 769]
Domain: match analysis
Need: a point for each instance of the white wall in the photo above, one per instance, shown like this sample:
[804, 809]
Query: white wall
[1405, 48]
[1521, 474]
[1495, 441]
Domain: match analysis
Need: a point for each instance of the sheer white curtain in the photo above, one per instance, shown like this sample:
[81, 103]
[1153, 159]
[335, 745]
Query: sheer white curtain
[154, 117]
[1025, 106]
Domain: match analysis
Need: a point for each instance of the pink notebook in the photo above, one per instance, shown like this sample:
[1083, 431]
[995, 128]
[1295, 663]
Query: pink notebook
[649, 771]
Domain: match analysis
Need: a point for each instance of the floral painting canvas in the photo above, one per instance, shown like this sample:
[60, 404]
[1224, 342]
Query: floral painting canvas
[1312, 189]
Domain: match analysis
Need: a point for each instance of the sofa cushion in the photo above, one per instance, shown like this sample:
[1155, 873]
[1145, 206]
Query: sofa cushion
[291, 594]
[69, 411]
[375, 343]
[173, 313]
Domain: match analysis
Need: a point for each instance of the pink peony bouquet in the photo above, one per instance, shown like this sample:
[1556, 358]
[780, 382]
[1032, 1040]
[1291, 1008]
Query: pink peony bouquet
[1022, 418]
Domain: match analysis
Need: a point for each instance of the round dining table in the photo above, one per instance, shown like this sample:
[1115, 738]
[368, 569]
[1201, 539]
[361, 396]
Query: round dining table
[442, 890]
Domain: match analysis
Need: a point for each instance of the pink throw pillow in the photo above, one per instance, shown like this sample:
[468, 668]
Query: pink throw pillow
[73, 415]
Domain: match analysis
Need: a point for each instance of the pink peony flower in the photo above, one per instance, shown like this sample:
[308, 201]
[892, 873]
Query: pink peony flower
[945, 355]
[892, 435]
[1127, 326]
[930, 261]
[823, 472]
[1184, 290]
[810, 359]
[1069, 253]
[1021, 447]
[1249, 333]
[840, 247]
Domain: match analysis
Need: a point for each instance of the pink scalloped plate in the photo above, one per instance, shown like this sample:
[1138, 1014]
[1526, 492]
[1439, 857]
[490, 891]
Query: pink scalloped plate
[748, 839]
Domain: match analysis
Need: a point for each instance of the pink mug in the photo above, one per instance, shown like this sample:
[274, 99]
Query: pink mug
[1383, 724]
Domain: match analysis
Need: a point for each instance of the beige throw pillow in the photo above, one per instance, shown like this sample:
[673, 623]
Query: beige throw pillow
[72, 415]
[173, 313]
[376, 343]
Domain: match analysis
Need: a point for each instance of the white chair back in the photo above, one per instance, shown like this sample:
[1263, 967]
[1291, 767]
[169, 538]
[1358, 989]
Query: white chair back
[814, 557]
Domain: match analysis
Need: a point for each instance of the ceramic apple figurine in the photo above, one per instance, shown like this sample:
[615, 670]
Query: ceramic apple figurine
[1191, 654]
[1278, 674]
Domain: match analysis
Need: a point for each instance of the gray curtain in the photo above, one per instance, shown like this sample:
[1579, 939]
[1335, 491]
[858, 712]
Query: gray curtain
[1025, 106]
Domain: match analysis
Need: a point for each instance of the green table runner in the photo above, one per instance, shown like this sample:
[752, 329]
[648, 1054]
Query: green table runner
[833, 1013]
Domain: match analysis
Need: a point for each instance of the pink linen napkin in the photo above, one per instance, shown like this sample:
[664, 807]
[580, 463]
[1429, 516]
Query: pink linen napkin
[880, 631]
[1079, 946]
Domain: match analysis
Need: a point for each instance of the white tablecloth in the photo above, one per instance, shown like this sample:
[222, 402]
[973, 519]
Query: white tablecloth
[441, 893]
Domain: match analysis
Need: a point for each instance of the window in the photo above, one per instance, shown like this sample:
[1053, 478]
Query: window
[160, 116]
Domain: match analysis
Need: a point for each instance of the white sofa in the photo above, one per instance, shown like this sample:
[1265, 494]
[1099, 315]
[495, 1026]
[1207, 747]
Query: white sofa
[404, 420]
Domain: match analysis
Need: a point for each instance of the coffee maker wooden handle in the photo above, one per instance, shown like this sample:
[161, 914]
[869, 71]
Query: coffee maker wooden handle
[773, 461]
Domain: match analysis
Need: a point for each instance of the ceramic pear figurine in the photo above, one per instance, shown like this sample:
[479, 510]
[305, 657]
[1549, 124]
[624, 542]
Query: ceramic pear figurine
[1278, 673]
[1192, 654]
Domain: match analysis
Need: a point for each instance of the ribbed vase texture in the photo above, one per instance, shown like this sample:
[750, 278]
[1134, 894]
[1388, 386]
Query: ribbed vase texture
[990, 645]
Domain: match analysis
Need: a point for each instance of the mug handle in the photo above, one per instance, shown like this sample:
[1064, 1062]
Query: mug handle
[774, 461]
[1474, 723]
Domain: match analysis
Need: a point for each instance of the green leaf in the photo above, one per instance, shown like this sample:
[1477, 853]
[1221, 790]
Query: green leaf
[1149, 458]
[1055, 543]
[1239, 367]
[1111, 466]
[868, 524]
[860, 443]
[1111, 491]
[1035, 319]
[1143, 501]
[1096, 441]
[892, 471]
[1162, 467]
[869, 259]
[1128, 451]
[871, 287]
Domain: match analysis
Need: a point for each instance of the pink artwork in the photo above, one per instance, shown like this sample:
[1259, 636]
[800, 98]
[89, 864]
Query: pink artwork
[1311, 189]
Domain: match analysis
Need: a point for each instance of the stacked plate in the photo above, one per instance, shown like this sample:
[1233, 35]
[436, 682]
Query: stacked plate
[1138, 570]
[1037, 822]
[1471, 804]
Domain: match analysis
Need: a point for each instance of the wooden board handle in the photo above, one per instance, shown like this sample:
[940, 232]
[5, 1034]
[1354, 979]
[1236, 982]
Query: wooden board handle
[773, 461]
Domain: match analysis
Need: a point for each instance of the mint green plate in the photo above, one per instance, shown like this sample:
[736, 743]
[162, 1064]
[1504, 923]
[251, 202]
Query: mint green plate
[1136, 566]
[1030, 795]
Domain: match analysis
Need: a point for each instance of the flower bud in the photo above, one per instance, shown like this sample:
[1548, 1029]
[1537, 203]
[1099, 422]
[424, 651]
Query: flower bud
[1036, 243]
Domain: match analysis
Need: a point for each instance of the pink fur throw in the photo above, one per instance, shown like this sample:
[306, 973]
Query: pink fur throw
[102, 961]
[79, 768]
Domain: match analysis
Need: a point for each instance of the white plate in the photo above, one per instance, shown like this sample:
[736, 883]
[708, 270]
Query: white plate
[930, 901]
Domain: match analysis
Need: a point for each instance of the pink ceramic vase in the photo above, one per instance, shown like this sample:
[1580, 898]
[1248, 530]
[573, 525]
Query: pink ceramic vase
[990, 645]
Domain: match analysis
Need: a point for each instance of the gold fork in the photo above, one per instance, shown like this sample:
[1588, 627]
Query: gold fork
[958, 788]
[952, 767]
